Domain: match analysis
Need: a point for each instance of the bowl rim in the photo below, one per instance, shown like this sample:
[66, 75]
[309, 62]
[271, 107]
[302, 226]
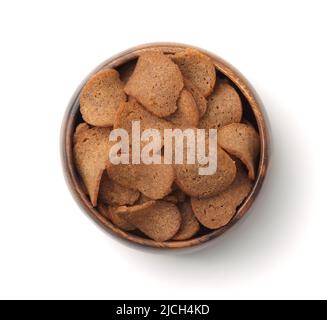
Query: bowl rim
[69, 124]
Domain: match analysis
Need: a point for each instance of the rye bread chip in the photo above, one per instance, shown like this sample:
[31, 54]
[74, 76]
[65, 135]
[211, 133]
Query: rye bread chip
[113, 194]
[153, 180]
[187, 113]
[133, 111]
[242, 141]
[91, 147]
[101, 97]
[159, 220]
[224, 107]
[189, 179]
[81, 132]
[217, 211]
[198, 68]
[110, 213]
[156, 83]
[190, 225]
[200, 100]
[123, 174]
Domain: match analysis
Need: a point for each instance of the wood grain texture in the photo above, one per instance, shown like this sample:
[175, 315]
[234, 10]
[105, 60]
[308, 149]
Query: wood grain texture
[256, 116]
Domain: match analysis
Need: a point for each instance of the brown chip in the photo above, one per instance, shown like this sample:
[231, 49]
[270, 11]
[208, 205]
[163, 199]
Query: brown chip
[101, 97]
[110, 213]
[81, 132]
[133, 111]
[91, 147]
[187, 113]
[198, 68]
[159, 220]
[203, 186]
[190, 225]
[224, 107]
[217, 211]
[112, 193]
[153, 180]
[123, 174]
[156, 83]
[242, 141]
[200, 100]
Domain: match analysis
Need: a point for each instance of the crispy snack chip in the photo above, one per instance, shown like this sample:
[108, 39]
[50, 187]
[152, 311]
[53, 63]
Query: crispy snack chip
[190, 225]
[91, 147]
[101, 97]
[198, 68]
[153, 180]
[217, 211]
[224, 107]
[187, 113]
[112, 193]
[200, 100]
[81, 132]
[156, 83]
[242, 141]
[159, 220]
[203, 186]
[110, 213]
[133, 111]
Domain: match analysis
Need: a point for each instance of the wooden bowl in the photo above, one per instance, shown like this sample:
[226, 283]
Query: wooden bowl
[254, 113]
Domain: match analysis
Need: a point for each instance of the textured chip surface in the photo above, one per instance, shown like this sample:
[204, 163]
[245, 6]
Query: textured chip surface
[91, 146]
[133, 111]
[159, 220]
[112, 193]
[152, 180]
[200, 100]
[224, 107]
[217, 211]
[242, 141]
[190, 225]
[156, 83]
[193, 184]
[198, 68]
[101, 97]
[110, 213]
[187, 113]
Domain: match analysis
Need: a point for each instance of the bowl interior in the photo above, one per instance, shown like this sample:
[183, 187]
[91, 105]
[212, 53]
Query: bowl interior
[253, 113]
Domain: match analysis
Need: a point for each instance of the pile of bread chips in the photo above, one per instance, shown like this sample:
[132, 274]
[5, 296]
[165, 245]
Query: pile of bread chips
[165, 201]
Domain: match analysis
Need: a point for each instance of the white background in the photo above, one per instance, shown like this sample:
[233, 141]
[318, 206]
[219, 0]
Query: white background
[50, 249]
